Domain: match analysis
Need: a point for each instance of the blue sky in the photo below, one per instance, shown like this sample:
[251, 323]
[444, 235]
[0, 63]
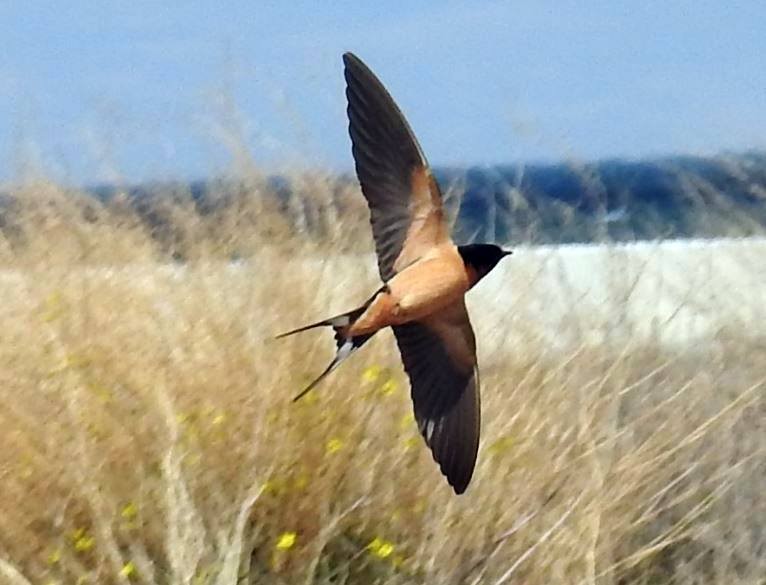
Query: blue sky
[135, 90]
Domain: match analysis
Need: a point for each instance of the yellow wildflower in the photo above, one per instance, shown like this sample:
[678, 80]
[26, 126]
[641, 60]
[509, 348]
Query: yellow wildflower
[129, 511]
[380, 548]
[219, 419]
[407, 421]
[410, 442]
[372, 373]
[333, 445]
[128, 569]
[54, 557]
[84, 543]
[389, 387]
[501, 445]
[286, 540]
[275, 486]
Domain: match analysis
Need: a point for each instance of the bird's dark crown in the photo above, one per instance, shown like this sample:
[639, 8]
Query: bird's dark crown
[482, 257]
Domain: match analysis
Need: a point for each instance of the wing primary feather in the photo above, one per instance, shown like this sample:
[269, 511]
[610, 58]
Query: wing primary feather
[445, 395]
[387, 156]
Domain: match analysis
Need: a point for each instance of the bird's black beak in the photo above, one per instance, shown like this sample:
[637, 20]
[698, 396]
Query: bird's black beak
[507, 252]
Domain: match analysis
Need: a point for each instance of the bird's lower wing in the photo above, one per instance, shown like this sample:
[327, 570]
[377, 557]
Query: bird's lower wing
[439, 357]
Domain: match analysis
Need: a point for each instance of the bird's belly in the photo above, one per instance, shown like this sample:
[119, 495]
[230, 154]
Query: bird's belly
[425, 289]
[422, 290]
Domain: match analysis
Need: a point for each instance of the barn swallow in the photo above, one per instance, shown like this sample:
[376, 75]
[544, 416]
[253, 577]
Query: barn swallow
[425, 276]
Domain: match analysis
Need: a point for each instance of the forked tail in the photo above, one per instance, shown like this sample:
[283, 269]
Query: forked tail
[337, 323]
[345, 345]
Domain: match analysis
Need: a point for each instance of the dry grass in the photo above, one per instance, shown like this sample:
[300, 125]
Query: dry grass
[149, 436]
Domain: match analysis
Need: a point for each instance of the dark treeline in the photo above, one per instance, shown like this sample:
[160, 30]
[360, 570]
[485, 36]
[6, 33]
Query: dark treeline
[611, 200]
[614, 200]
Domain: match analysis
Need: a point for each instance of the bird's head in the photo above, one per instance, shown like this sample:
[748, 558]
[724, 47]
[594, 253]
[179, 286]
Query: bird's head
[480, 259]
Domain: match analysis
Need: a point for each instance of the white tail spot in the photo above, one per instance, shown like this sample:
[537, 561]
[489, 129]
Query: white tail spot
[345, 350]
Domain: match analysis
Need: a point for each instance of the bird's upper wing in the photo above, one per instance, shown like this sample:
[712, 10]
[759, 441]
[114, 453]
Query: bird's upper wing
[439, 355]
[404, 199]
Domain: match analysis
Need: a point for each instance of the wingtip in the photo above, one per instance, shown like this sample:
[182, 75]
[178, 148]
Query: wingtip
[355, 67]
[285, 334]
[459, 484]
[459, 489]
[458, 476]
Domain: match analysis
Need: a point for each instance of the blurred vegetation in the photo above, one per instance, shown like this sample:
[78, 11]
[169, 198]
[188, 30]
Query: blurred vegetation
[148, 433]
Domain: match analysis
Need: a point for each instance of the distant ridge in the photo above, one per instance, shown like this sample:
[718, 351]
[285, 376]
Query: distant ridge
[617, 200]
[610, 200]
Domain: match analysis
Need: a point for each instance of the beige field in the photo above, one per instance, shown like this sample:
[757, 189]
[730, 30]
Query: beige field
[148, 433]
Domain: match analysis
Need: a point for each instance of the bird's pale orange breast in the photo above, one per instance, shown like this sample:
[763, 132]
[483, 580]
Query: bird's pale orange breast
[429, 285]
[422, 289]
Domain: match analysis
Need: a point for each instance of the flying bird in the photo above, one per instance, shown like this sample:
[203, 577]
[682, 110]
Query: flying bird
[425, 278]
